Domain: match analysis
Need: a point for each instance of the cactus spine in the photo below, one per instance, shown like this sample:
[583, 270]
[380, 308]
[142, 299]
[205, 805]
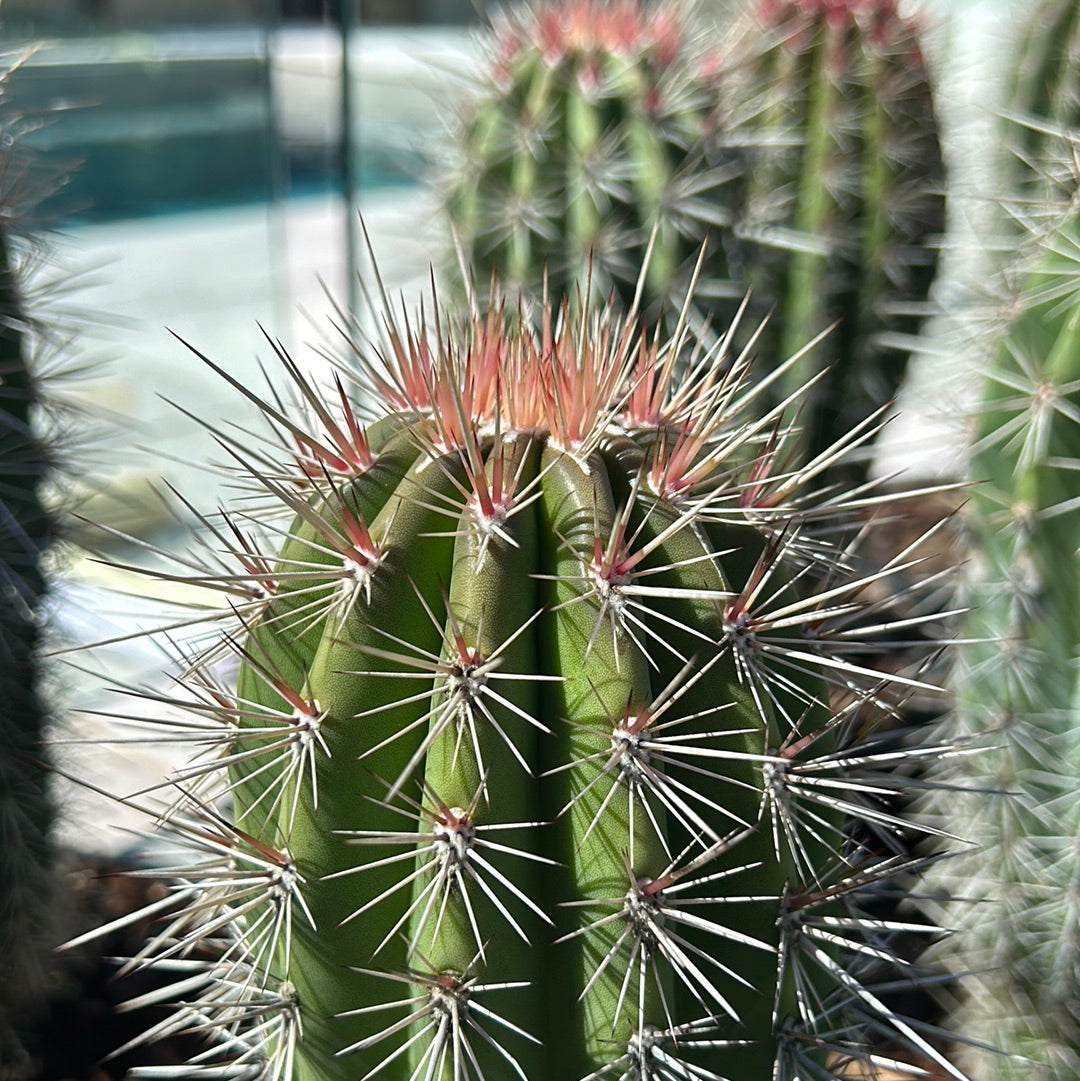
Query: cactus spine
[532, 758]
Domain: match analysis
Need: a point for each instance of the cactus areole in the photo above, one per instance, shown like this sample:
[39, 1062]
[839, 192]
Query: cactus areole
[532, 762]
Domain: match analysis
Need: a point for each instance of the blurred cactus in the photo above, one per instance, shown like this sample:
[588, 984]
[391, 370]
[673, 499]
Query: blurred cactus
[549, 729]
[594, 125]
[1019, 686]
[799, 156]
[26, 531]
[844, 199]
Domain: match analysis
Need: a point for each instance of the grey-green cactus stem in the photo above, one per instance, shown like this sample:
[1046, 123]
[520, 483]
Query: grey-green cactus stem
[1019, 686]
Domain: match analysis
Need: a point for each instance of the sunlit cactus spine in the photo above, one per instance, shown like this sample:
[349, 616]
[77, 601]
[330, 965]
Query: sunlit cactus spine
[844, 200]
[549, 731]
[592, 133]
[1018, 685]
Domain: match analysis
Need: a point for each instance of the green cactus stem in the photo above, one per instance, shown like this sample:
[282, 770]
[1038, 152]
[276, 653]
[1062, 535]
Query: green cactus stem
[844, 201]
[533, 759]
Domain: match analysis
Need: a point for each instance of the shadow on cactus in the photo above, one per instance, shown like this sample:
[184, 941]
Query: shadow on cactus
[549, 729]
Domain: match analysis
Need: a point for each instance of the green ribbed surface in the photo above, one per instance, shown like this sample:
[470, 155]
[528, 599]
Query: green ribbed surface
[595, 125]
[427, 591]
[845, 203]
[1043, 101]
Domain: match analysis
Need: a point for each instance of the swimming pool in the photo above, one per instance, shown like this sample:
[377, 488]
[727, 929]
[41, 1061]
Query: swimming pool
[146, 124]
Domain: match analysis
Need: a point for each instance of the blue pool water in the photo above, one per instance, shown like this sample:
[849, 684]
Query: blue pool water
[151, 126]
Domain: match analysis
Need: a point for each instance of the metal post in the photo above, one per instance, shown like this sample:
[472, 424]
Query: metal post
[348, 24]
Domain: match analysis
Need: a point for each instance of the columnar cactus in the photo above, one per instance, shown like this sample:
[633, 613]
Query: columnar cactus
[26, 530]
[845, 201]
[592, 135]
[1019, 685]
[799, 158]
[548, 734]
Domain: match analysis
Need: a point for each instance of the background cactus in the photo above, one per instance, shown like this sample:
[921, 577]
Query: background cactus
[801, 153]
[1044, 103]
[1017, 684]
[844, 199]
[26, 530]
[596, 122]
[548, 732]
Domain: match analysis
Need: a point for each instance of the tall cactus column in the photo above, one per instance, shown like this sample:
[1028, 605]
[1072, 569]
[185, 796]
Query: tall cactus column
[26, 530]
[1021, 687]
[845, 198]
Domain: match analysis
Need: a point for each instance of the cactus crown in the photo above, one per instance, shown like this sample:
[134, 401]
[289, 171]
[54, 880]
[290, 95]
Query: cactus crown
[582, 27]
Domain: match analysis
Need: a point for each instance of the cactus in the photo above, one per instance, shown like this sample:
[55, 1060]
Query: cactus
[1018, 685]
[1044, 103]
[845, 199]
[801, 160]
[547, 732]
[594, 127]
[26, 531]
